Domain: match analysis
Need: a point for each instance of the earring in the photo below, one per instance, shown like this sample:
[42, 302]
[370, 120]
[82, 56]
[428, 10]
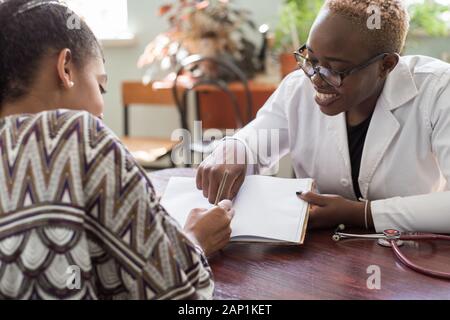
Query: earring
[71, 84]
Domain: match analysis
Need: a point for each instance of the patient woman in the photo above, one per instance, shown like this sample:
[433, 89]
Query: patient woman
[362, 121]
[79, 219]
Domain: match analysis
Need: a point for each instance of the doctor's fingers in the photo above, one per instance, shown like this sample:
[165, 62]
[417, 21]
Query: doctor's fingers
[208, 180]
[313, 198]
[206, 176]
[314, 221]
[320, 218]
[235, 186]
[199, 178]
[206, 165]
[216, 175]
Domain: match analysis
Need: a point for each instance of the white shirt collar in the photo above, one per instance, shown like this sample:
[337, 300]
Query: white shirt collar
[399, 87]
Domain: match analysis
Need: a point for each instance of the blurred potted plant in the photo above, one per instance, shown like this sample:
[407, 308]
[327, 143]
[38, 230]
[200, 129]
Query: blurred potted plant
[214, 28]
[430, 29]
[295, 21]
[430, 18]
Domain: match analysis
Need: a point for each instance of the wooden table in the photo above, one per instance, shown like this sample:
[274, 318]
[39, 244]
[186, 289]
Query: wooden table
[322, 269]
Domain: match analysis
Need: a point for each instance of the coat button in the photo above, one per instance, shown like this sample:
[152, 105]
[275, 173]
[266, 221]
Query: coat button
[345, 182]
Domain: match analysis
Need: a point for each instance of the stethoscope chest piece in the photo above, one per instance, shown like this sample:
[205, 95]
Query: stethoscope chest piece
[386, 243]
[389, 236]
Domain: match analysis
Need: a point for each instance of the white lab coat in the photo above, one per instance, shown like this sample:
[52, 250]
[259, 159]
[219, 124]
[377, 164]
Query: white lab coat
[405, 166]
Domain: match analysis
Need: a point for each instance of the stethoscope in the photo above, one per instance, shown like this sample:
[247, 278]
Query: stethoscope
[394, 239]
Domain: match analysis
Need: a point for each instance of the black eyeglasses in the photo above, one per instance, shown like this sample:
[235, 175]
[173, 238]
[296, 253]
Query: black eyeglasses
[333, 78]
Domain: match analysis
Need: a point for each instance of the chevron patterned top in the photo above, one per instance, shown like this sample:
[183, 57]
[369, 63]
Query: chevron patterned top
[79, 218]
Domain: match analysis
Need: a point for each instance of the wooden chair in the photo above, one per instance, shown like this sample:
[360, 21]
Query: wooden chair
[213, 106]
[147, 150]
[194, 70]
[220, 104]
[201, 81]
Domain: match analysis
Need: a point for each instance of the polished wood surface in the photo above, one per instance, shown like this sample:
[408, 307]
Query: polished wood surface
[322, 269]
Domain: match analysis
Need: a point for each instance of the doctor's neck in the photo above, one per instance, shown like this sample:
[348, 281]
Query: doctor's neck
[364, 110]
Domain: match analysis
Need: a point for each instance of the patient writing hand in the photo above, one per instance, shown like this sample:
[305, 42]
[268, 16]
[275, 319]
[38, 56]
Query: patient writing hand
[210, 229]
[228, 157]
[329, 211]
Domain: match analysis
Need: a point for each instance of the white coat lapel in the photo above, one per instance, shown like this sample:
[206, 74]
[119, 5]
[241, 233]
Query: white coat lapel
[399, 89]
[337, 127]
[382, 131]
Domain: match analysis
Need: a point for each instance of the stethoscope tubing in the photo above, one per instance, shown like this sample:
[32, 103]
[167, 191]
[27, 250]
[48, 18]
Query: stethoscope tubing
[400, 256]
[424, 236]
[394, 243]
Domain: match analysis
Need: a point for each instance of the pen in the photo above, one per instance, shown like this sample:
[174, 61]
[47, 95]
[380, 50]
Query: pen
[221, 187]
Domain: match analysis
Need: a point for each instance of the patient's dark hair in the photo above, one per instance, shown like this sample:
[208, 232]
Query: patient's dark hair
[28, 32]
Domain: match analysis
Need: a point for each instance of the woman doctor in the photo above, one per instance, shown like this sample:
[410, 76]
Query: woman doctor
[362, 121]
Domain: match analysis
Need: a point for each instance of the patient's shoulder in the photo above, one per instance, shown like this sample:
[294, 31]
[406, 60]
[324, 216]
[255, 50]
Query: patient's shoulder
[57, 126]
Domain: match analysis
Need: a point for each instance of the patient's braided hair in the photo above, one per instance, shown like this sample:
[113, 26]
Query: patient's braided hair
[29, 30]
[394, 22]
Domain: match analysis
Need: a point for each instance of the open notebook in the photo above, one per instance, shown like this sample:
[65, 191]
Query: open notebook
[267, 208]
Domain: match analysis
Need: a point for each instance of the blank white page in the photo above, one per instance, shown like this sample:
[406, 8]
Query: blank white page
[266, 207]
[181, 196]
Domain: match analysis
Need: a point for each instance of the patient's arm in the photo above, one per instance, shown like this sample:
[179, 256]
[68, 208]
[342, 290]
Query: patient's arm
[151, 254]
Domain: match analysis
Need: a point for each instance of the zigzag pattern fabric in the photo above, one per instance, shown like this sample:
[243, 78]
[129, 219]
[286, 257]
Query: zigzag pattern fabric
[73, 198]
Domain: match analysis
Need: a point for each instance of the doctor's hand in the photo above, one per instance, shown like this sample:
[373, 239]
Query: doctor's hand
[228, 157]
[210, 229]
[329, 211]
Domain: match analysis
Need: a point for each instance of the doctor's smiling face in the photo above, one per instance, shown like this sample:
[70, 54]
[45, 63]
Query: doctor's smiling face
[338, 44]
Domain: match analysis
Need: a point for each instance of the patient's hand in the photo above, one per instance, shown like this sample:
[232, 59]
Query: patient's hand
[210, 229]
[229, 157]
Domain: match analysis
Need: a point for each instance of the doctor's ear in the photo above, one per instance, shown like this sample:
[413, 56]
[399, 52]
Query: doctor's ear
[388, 64]
[65, 68]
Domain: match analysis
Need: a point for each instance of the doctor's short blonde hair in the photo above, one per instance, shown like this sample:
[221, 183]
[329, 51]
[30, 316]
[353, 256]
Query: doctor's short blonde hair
[394, 21]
